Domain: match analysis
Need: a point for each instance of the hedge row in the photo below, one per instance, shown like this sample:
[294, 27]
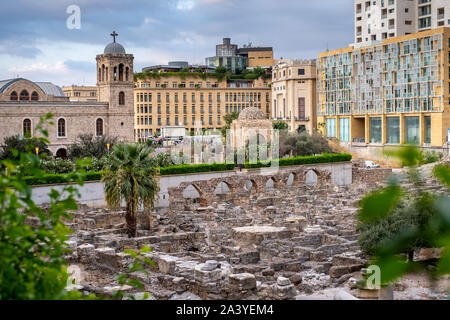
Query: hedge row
[62, 178]
[196, 168]
[324, 158]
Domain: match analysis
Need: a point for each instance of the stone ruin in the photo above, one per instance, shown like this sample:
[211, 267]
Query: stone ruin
[281, 240]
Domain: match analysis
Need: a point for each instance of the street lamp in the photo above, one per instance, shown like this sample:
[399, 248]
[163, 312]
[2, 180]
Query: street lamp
[107, 147]
[37, 151]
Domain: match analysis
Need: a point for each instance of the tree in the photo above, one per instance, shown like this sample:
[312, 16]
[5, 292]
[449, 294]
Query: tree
[131, 176]
[221, 69]
[280, 125]
[23, 145]
[397, 220]
[184, 69]
[229, 118]
[88, 146]
[32, 240]
[303, 144]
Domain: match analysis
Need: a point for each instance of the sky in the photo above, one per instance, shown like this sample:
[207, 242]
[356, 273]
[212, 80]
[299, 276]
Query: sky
[36, 44]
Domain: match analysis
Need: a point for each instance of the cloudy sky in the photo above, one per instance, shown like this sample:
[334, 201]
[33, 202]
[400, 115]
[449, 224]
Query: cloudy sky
[36, 44]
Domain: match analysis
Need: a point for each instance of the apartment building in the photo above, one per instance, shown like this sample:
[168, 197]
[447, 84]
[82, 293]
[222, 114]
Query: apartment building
[81, 93]
[294, 93]
[194, 102]
[394, 92]
[377, 20]
[234, 58]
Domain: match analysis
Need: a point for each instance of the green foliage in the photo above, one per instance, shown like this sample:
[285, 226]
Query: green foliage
[23, 145]
[280, 125]
[62, 178]
[31, 263]
[394, 222]
[196, 168]
[221, 69]
[433, 156]
[57, 165]
[229, 118]
[130, 176]
[324, 158]
[88, 146]
[162, 160]
[303, 144]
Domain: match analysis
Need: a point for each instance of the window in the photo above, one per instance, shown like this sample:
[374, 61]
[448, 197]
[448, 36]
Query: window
[121, 98]
[331, 128]
[412, 130]
[375, 130]
[344, 129]
[393, 130]
[24, 96]
[427, 122]
[301, 108]
[34, 96]
[61, 128]
[27, 128]
[14, 96]
[99, 127]
[301, 72]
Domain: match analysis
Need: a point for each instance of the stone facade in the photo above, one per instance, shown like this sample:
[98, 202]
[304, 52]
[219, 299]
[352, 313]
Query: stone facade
[23, 102]
[252, 126]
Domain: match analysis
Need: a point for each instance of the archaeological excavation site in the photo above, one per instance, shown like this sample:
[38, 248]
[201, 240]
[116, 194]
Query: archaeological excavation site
[244, 235]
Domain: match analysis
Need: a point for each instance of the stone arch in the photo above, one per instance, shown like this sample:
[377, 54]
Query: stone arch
[14, 96]
[61, 153]
[270, 184]
[115, 73]
[194, 192]
[223, 188]
[290, 179]
[311, 177]
[127, 73]
[61, 127]
[24, 95]
[102, 77]
[34, 96]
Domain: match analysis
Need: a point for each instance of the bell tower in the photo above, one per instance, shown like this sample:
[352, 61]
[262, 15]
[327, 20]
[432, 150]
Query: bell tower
[115, 83]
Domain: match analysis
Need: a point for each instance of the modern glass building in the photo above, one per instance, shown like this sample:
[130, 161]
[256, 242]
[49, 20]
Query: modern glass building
[394, 92]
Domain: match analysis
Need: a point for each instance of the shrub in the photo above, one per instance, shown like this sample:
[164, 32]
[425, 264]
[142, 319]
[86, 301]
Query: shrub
[324, 158]
[433, 156]
[303, 144]
[88, 146]
[196, 168]
[57, 165]
[22, 145]
[63, 178]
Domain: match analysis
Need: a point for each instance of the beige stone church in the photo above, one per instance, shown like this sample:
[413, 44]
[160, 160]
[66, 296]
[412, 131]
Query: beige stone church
[23, 102]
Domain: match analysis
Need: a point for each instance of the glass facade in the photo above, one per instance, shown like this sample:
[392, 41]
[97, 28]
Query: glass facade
[344, 129]
[331, 128]
[412, 133]
[427, 124]
[393, 130]
[375, 130]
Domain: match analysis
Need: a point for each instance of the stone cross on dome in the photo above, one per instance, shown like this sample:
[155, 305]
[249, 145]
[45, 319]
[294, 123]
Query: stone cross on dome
[114, 35]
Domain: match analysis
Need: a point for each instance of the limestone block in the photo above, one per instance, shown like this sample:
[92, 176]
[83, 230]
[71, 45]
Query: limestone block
[86, 253]
[282, 281]
[242, 281]
[206, 276]
[166, 264]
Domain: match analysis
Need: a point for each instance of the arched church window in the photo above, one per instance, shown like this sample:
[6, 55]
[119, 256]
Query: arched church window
[121, 72]
[127, 70]
[115, 73]
[27, 128]
[99, 127]
[34, 96]
[14, 96]
[121, 98]
[61, 128]
[24, 95]
[103, 73]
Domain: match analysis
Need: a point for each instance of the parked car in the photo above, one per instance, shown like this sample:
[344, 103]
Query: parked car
[371, 164]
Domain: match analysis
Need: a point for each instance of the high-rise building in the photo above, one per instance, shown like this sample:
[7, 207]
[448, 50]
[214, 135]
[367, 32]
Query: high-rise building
[376, 20]
[394, 92]
[195, 102]
[294, 93]
[233, 58]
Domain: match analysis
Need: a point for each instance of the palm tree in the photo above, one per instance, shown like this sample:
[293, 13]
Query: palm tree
[130, 176]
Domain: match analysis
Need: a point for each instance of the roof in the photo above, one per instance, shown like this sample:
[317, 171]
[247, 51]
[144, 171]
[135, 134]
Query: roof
[254, 49]
[47, 87]
[114, 48]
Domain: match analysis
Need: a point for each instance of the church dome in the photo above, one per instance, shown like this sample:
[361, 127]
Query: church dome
[252, 113]
[114, 48]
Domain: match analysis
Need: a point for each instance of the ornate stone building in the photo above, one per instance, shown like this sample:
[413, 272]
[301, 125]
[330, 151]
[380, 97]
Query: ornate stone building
[252, 123]
[23, 102]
